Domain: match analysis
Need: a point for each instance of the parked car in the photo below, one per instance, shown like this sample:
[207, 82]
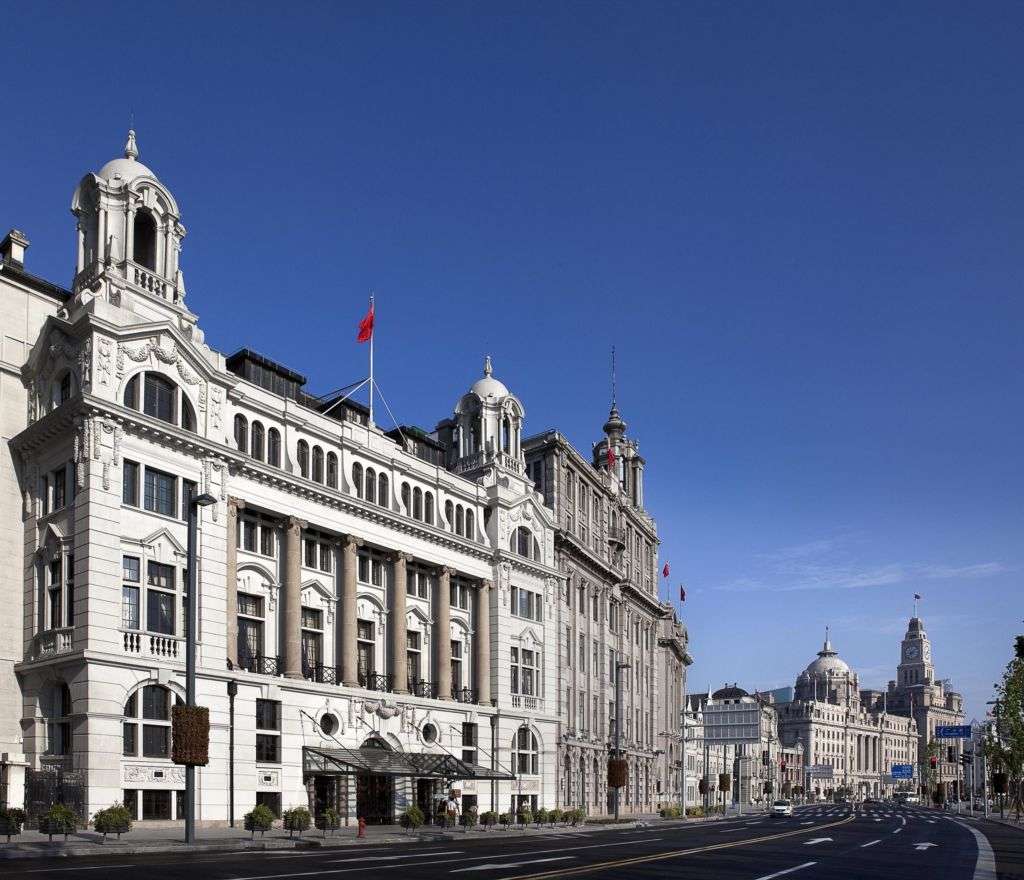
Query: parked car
[782, 808]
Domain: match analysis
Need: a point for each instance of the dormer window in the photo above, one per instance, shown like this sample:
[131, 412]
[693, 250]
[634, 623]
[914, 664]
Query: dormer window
[144, 239]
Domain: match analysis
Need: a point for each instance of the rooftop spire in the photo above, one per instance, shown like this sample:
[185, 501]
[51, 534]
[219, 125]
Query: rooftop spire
[488, 369]
[131, 149]
[613, 377]
[827, 647]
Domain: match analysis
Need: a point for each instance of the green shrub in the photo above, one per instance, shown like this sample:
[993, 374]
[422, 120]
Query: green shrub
[554, 815]
[411, 819]
[470, 818]
[696, 812]
[489, 818]
[525, 817]
[11, 822]
[260, 819]
[541, 816]
[578, 817]
[58, 820]
[671, 812]
[296, 819]
[505, 819]
[331, 820]
[115, 819]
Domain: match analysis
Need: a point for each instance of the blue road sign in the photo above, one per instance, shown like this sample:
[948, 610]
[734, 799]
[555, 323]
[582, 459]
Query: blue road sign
[953, 731]
[902, 771]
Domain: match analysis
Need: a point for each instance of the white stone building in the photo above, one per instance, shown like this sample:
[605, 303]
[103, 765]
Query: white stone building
[378, 611]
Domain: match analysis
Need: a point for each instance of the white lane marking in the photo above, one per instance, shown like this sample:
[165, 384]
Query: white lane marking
[454, 852]
[985, 866]
[924, 846]
[806, 823]
[869, 843]
[897, 831]
[86, 868]
[816, 840]
[494, 866]
[787, 871]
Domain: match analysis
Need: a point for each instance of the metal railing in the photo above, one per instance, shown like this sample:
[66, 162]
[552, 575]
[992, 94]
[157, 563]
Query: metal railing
[260, 664]
[375, 681]
[465, 695]
[321, 674]
[422, 688]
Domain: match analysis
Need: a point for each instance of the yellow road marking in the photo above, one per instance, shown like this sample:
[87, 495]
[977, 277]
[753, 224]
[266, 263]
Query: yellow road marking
[637, 860]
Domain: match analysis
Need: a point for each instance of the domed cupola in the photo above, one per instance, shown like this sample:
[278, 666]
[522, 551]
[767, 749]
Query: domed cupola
[488, 426]
[827, 678]
[129, 233]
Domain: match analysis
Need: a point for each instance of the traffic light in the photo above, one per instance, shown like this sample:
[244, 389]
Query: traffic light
[966, 758]
[933, 762]
[764, 758]
[950, 754]
[1019, 647]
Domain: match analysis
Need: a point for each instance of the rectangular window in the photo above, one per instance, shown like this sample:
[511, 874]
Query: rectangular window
[188, 489]
[266, 540]
[469, 742]
[249, 605]
[456, 664]
[268, 715]
[310, 553]
[325, 557]
[160, 612]
[130, 798]
[44, 496]
[69, 590]
[155, 741]
[160, 492]
[156, 804]
[155, 703]
[130, 607]
[130, 570]
[60, 486]
[249, 536]
[160, 575]
[268, 748]
[271, 800]
[130, 483]
[130, 733]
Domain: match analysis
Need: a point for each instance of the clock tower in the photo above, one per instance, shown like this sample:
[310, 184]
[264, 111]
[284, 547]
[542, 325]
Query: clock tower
[915, 657]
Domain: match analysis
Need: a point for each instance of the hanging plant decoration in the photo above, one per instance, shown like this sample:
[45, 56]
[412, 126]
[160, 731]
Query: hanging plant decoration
[190, 735]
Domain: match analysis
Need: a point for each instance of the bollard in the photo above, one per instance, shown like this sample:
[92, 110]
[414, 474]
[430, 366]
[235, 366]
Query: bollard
[362, 827]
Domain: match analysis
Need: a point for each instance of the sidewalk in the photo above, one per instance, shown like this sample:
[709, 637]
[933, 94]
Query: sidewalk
[143, 840]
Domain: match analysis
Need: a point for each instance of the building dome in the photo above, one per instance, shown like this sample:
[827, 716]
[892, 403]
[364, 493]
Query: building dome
[828, 662]
[729, 692]
[487, 386]
[126, 168]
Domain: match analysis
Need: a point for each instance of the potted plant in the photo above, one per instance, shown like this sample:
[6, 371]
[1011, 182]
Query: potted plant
[58, 820]
[412, 818]
[11, 821]
[330, 821]
[525, 816]
[489, 819]
[260, 819]
[554, 815]
[470, 818]
[115, 819]
[541, 817]
[505, 819]
[296, 819]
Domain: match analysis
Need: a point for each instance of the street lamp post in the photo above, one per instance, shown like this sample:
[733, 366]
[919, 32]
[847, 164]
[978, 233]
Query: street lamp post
[194, 503]
[619, 666]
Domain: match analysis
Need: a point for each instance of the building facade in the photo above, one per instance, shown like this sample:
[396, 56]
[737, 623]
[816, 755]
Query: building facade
[380, 614]
[917, 693]
[610, 615]
[845, 729]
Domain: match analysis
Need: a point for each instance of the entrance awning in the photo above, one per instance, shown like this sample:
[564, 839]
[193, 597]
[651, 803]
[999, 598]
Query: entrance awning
[381, 762]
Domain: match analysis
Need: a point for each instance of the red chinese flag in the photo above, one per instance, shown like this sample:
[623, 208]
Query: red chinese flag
[664, 571]
[611, 456]
[366, 326]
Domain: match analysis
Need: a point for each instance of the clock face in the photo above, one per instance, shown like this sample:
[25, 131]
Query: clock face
[912, 652]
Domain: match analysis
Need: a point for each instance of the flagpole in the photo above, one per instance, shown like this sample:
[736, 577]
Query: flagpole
[371, 360]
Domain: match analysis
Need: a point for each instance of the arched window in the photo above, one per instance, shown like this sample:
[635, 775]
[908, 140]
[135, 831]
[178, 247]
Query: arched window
[150, 705]
[525, 751]
[417, 503]
[407, 499]
[188, 414]
[470, 525]
[506, 435]
[371, 486]
[257, 441]
[318, 464]
[241, 433]
[357, 479]
[274, 447]
[144, 239]
[428, 507]
[449, 514]
[383, 491]
[536, 550]
[332, 470]
[302, 454]
[460, 528]
[521, 542]
[159, 397]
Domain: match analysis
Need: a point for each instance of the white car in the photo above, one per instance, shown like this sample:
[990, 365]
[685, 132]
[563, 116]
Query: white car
[782, 808]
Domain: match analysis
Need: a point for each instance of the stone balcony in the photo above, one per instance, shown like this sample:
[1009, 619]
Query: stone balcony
[52, 643]
[141, 644]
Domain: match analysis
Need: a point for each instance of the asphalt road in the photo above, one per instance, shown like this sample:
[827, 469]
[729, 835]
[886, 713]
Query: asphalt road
[877, 842]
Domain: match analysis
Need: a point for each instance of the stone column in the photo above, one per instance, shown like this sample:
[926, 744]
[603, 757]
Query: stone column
[442, 635]
[482, 643]
[399, 665]
[348, 648]
[234, 505]
[291, 598]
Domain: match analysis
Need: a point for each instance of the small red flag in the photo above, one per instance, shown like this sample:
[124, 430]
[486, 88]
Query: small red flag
[682, 593]
[664, 571]
[611, 456]
[366, 326]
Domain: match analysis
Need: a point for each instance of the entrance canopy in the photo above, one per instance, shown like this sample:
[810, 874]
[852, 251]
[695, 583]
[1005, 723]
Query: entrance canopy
[382, 762]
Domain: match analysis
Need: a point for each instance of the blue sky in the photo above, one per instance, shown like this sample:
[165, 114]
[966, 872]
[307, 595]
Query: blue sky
[799, 223]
